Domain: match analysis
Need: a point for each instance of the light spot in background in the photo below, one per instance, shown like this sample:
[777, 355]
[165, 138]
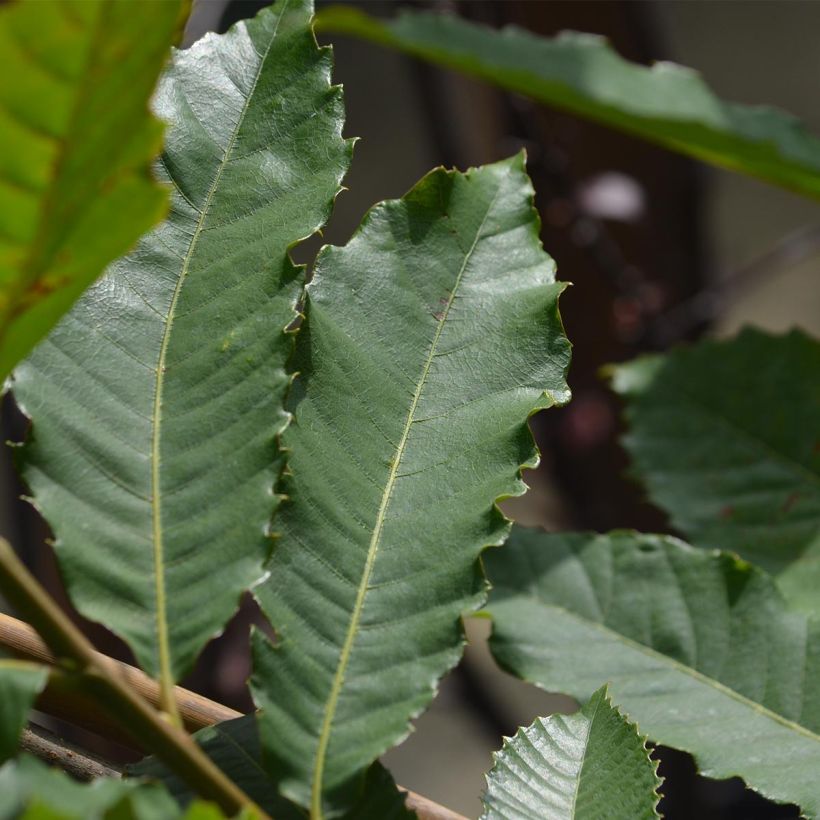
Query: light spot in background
[612, 195]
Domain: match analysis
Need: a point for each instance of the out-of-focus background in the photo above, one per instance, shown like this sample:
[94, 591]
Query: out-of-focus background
[660, 250]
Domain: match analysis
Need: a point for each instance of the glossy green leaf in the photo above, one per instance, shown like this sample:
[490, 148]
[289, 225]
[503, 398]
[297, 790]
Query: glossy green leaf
[429, 340]
[30, 790]
[698, 647]
[726, 437]
[156, 402]
[76, 147]
[592, 765]
[234, 746]
[666, 104]
[20, 683]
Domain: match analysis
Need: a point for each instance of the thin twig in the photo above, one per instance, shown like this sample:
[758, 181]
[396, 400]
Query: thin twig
[85, 670]
[711, 302]
[428, 810]
[79, 763]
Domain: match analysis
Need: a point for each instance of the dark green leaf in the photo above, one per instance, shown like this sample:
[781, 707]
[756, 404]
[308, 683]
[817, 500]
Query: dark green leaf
[592, 765]
[698, 648]
[726, 436]
[667, 104]
[429, 340]
[20, 683]
[234, 747]
[76, 145]
[156, 402]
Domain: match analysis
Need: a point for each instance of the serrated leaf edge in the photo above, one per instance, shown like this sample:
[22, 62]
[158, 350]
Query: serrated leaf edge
[545, 722]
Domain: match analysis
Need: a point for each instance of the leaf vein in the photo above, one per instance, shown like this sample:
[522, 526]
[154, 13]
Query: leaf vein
[330, 708]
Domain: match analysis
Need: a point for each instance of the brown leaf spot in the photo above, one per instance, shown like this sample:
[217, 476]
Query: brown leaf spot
[790, 502]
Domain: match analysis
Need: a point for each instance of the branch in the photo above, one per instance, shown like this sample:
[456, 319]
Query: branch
[88, 671]
[428, 810]
[197, 711]
[83, 766]
[70, 758]
[709, 303]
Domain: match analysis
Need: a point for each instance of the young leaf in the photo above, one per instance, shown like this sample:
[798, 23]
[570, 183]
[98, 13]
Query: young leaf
[698, 648]
[726, 436]
[666, 104]
[76, 145]
[234, 746]
[32, 791]
[592, 765]
[156, 402]
[429, 340]
[20, 683]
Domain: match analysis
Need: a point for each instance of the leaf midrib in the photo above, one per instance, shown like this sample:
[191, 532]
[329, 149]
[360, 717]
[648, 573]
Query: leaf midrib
[375, 539]
[584, 757]
[166, 677]
[675, 664]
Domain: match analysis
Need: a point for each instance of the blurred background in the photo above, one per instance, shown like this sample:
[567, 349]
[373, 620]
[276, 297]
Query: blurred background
[661, 250]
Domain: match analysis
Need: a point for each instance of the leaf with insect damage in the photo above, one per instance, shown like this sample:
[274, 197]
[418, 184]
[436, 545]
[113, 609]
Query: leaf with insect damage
[428, 341]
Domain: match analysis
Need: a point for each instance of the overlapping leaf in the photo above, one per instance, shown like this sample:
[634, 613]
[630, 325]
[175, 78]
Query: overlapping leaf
[592, 765]
[429, 340]
[156, 402]
[234, 746]
[29, 789]
[76, 146]
[726, 436]
[698, 648]
[667, 104]
[20, 683]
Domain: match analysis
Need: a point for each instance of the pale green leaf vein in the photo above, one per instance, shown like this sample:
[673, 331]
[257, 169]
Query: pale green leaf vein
[375, 539]
[587, 730]
[163, 646]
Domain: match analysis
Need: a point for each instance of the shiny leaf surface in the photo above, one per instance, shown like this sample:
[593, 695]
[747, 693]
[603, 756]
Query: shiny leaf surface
[156, 402]
[592, 765]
